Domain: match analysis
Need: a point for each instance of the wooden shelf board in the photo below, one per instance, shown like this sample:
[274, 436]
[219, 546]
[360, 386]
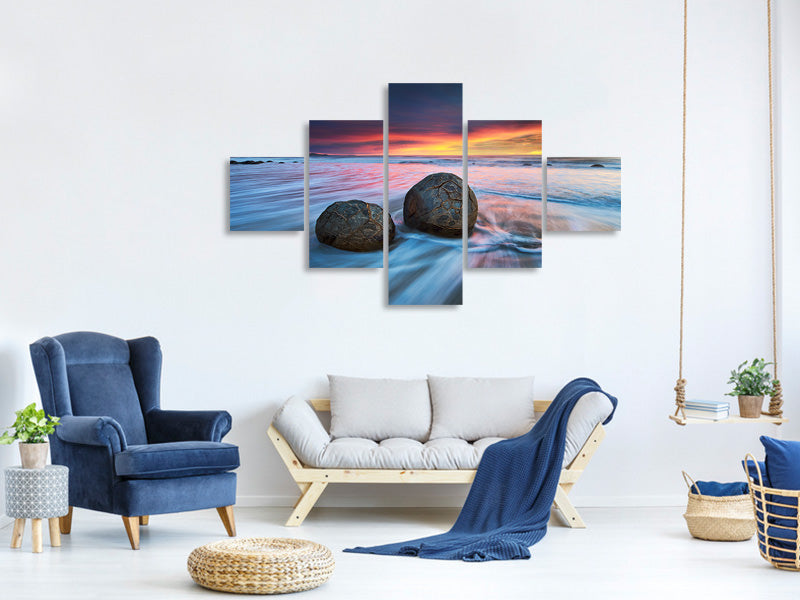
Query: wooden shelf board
[733, 419]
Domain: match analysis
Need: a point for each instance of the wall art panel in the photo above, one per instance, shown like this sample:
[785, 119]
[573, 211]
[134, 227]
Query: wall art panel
[267, 193]
[345, 194]
[504, 170]
[583, 194]
[425, 193]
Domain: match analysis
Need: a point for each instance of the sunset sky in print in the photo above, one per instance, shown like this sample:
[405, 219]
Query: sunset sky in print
[425, 119]
[359, 138]
[496, 138]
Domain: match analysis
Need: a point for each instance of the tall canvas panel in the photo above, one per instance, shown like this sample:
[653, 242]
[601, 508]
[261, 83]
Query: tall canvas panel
[345, 194]
[504, 170]
[425, 193]
[583, 194]
[267, 193]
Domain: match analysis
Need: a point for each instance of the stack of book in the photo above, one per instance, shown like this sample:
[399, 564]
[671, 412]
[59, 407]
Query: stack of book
[702, 409]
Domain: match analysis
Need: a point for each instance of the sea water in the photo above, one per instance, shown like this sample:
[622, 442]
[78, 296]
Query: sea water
[267, 196]
[508, 232]
[581, 196]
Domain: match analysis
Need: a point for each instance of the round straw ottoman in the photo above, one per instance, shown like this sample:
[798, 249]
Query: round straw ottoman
[261, 565]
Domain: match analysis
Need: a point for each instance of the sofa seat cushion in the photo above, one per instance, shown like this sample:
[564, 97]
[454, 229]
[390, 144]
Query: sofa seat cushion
[176, 459]
[403, 453]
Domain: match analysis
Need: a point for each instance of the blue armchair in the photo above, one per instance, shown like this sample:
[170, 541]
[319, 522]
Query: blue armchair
[125, 455]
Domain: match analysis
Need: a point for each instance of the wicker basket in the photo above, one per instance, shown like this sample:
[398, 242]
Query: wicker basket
[719, 518]
[776, 520]
[261, 565]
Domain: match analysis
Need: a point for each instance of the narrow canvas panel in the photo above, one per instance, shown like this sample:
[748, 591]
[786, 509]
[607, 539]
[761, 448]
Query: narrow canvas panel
[267, 193]
[583, 194]
[345, 194]
[504, 171]
[425, 193]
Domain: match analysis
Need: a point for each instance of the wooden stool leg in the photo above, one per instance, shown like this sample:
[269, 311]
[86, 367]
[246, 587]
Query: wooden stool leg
[132, 528]
[37, 534]
[55, 533]
[65, 522]
[16, 535]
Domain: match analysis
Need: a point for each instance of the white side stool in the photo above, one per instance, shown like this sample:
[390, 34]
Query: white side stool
[37, 494]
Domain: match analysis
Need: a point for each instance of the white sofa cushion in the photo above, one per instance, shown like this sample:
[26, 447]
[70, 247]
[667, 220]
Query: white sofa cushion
[403, 453]
[378, 409]
[591, 410]
[302, 429]
[471, 408]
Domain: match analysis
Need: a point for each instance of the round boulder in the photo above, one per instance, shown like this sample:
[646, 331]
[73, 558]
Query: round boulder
[353, 225]
[434, 204]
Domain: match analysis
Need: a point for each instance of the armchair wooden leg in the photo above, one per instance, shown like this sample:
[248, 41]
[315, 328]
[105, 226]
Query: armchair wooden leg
[144, 520]
[65, 522]
[568, 511]
[306, 503]
[132, 529]
[226, 514]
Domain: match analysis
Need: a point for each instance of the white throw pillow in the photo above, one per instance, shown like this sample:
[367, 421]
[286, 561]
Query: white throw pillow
[471, 408]
[378, 409]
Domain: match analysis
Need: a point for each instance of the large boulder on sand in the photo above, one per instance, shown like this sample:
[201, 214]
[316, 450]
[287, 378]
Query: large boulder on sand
[434, 205]
[353, 225]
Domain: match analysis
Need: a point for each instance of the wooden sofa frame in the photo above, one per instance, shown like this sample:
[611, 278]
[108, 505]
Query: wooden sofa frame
[312, 481]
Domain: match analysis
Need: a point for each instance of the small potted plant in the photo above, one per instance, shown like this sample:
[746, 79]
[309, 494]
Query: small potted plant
[31, 430]
[751, 382]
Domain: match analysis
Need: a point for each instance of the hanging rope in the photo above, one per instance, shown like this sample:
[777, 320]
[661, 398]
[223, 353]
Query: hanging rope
[680, 386]
[776, 402]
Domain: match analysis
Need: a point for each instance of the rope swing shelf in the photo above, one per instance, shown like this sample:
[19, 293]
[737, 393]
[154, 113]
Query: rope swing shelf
[775, 413]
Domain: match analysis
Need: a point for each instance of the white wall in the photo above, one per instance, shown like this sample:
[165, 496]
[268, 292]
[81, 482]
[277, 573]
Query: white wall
[117, 122]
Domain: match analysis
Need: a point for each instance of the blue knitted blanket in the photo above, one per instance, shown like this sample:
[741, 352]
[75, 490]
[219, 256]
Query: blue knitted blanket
[508, 505]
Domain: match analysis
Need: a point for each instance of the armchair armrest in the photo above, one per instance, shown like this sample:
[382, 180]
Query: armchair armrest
[186, 425]
[92, 431]
[302, 429]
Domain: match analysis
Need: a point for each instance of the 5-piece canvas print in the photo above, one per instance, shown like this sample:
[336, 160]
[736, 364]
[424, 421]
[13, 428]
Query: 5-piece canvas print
[443, 209]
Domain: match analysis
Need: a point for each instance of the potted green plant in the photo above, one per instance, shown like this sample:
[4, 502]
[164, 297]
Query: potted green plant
[751, 382]
[31, 430]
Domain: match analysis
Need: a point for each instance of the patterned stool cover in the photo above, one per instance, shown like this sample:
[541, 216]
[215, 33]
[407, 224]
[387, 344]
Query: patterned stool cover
[37, 493]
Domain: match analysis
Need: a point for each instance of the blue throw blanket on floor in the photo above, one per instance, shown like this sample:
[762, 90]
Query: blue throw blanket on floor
[508, 505]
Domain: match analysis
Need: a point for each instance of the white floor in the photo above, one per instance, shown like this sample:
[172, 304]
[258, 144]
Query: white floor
[624, 553]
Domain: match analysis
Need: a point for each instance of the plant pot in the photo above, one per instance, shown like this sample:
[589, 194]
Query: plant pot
[34, 456]
[750, 406]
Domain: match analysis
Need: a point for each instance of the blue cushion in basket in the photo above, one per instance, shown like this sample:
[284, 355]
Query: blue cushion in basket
[714, 488]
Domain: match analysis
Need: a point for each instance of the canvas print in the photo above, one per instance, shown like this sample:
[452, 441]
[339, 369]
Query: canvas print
[345, 194]
[504, 171]
[267, 193]
[425, 193]
[583, 194]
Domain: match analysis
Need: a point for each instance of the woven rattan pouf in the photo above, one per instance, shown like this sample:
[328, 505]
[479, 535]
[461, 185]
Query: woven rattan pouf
[261, 565]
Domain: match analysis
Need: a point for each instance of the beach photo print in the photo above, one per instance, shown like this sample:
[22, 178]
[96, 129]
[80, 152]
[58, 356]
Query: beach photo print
[425, 193]
[583, 194]
[504, 171]
[345, 194]
[267, 193]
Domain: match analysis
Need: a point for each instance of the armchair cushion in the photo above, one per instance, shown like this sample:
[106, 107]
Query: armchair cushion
[92, 431]
[176, 459]
[186, 425]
